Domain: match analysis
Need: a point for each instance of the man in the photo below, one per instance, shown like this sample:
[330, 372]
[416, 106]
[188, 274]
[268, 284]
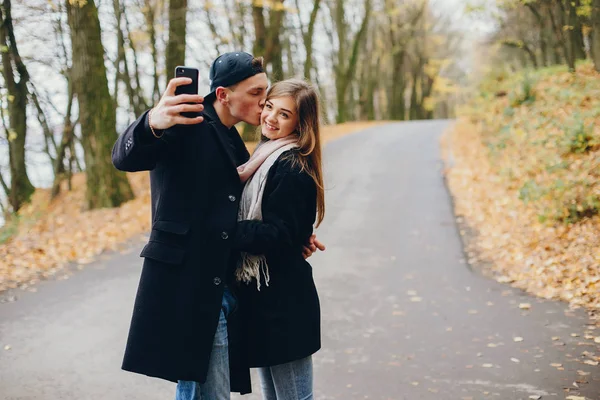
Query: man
[181, 329]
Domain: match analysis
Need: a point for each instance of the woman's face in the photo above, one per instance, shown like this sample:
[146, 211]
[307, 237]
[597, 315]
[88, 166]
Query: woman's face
[279, 117]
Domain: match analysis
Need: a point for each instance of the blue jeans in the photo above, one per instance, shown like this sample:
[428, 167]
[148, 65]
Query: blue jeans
[217, 385]
[289, 381]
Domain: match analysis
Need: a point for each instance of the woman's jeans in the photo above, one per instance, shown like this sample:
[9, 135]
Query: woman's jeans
[289, 381]
[217, 384]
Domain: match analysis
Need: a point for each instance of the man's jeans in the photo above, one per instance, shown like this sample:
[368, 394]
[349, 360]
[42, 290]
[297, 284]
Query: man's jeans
[217, 385]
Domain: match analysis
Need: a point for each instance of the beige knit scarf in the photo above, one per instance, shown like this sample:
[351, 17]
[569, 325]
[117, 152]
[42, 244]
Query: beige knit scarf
[254, 173]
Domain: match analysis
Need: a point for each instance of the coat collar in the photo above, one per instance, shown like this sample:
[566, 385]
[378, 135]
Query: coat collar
[221, 132]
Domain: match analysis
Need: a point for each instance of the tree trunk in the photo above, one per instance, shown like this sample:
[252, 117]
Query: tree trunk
[176, 43]
[571, 40]
[541, 29]
[557, 26]
[66, 142]
[260, 30]
[307, 35]
[273, 51]
[21, 188]
[578, 41]
[345, 72]
[49, 142]
[595, 43]
[149, 16]
[106, 187]
[397, 104]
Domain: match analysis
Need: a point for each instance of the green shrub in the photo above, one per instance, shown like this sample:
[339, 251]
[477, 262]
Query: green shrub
[525, 94]
[579, 138]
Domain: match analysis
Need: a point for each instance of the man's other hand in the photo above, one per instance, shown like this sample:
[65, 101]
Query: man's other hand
[313, 245]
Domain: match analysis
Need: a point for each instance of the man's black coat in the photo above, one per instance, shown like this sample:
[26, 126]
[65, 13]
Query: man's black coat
[195, 195]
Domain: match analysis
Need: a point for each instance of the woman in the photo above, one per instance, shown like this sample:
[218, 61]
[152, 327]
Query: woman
[282, 199]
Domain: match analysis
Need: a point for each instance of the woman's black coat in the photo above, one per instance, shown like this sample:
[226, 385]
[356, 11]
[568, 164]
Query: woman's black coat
[282, 320]
[195, 197]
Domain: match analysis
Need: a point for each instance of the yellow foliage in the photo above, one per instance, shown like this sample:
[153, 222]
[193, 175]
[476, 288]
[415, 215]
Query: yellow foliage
[526, 180]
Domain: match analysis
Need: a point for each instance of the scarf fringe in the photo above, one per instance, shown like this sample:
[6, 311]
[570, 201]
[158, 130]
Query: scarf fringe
[252, 267]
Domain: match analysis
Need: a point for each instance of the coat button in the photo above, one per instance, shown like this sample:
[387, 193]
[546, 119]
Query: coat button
[224, 235]
[231, 198]
[217, 281]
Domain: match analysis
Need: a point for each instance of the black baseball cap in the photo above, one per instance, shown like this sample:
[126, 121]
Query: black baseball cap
[231, 68]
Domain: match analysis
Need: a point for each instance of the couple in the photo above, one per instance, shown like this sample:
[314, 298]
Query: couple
[225, 285]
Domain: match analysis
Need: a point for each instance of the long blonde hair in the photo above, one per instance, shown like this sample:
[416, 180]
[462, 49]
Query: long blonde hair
[307, 107]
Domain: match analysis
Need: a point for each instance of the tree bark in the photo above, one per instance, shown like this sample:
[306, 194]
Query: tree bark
[595, 44]
[149, 17]
[177, 28]
[542, 32]
[66, 142]
[21, 188]
[49, 142]
[345, 72]
[260, 30]
[106, 187]
[578, 41]
[307, 36]
[267, 41]
[557, 27]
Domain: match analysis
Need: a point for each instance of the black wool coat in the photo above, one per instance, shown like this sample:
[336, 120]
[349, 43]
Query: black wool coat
[195, 197]
[282, 320]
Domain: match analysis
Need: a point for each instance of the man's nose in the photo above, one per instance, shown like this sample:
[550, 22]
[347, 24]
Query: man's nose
[262, 102]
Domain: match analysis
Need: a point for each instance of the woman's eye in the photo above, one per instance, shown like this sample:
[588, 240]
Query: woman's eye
[284, 115]
[268, 106]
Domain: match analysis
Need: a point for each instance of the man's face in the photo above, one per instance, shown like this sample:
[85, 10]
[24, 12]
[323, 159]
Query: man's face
[248, 98]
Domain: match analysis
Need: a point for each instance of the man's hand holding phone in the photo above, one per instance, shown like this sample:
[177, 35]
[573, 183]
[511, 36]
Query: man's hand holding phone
[167, 112]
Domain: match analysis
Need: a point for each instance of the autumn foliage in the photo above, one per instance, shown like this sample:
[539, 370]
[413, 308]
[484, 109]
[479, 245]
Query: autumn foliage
[523, 167]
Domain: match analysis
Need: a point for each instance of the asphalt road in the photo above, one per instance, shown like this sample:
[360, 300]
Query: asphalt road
[403, 316]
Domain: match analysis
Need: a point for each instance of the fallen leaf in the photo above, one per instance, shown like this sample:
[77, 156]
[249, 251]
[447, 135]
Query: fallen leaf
[524, 306]
[518, 339]
[583, 373]
[7, 347]
[591, 362]
[575, 398]
[535, 397]
[597, 339]
[556, 365]
[415, 299]
[487, 365]
[555, 338]
[516, 360]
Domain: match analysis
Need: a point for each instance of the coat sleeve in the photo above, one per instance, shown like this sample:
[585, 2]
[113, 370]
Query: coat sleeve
[288, 216]
[137, 149]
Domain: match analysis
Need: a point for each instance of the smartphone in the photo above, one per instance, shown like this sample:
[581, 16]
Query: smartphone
[192, 88]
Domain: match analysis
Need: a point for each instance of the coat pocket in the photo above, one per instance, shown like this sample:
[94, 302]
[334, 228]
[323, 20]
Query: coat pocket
[168, 242]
